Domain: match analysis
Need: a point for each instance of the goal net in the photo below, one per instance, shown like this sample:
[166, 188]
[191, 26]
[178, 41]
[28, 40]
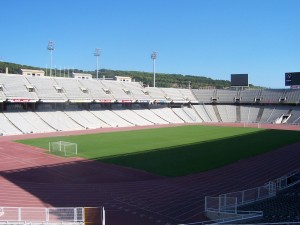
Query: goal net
[63, 148]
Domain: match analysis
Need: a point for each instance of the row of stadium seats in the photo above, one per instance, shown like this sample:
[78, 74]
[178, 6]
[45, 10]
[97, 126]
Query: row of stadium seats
[247, 96]
[249, 114]
[17, 88]
[19, 121]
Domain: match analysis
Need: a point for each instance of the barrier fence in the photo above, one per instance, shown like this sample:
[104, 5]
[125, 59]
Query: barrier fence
[253, 194]
[49, 216]
[225, 205]
[287, 180]
[225, 202]
[223, 209]
[221, 204]
[42, 214]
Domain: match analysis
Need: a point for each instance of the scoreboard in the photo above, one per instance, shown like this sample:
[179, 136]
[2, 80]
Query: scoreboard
[292, 78]
[239, 80]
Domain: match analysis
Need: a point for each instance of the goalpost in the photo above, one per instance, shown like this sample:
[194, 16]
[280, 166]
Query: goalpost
[65, 148]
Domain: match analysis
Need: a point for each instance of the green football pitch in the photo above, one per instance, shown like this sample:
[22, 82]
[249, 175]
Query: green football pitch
[176, 151]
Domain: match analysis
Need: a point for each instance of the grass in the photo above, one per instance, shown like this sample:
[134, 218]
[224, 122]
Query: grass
[176, 151]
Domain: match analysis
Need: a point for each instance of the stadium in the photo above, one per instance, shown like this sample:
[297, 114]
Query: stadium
[96, 151]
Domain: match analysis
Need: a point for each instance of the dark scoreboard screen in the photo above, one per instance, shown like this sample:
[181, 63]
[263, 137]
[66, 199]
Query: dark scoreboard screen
[292, 78]
[239, 80]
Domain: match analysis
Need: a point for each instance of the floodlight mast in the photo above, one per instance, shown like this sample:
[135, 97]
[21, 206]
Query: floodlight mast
[50, 47]
[154, 57]
[97, 54]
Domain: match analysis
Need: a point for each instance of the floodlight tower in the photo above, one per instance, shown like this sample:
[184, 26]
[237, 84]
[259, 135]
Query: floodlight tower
[50, 47]
[154, 57]
[97, 54]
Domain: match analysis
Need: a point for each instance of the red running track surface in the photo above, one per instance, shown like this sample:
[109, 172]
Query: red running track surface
[32, 178]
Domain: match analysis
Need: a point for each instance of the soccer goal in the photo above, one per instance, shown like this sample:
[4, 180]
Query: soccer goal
[63, 148]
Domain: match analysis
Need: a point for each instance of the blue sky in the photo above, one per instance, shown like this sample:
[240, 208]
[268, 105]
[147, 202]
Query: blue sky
[212, 38]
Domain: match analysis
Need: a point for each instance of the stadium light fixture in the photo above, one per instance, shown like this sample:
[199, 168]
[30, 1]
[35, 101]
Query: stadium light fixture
[50, 47]
[97, 54]
[154, 57]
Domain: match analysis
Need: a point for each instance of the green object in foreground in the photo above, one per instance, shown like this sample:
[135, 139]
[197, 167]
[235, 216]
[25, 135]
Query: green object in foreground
[176, 151]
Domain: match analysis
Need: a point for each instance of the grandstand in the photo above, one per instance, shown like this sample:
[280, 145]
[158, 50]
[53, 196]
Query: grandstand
[17, 88]
[48, 104]
[44, 89]
[226, 96]
[73, 90]
[249, 96]
[32, 105]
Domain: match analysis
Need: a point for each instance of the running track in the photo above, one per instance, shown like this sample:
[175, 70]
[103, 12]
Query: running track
[30, 177]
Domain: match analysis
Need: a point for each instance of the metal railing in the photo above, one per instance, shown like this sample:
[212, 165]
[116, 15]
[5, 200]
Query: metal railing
[34, 216]
[226, 204]
[253, 194]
